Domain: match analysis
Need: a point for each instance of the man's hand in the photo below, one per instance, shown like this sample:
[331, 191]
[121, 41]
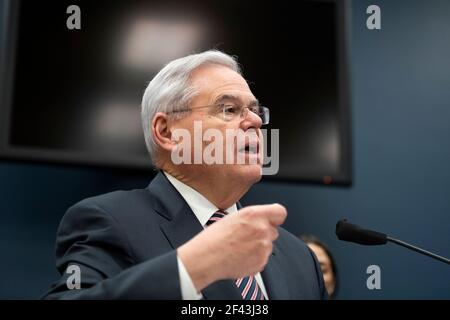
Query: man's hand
[236, 246]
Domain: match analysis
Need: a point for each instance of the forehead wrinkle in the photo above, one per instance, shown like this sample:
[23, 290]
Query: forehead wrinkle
[238, 95]
[224, 97]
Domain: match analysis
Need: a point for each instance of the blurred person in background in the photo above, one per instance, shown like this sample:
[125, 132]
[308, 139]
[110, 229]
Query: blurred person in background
[326, 261]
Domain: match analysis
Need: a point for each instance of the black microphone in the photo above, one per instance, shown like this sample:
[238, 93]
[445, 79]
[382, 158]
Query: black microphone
[346, 231]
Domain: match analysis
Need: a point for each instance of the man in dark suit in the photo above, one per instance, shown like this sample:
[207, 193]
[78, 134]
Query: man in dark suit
[186, 235]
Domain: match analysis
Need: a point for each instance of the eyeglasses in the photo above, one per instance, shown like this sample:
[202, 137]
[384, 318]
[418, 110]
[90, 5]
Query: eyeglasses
[230, 112]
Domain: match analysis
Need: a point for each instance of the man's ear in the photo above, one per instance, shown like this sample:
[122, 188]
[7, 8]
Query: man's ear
[161, 132]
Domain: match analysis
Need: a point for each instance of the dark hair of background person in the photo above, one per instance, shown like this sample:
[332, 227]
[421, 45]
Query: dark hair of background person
[308, 238]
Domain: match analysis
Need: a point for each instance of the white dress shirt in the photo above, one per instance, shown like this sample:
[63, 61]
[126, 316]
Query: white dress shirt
[203, 210]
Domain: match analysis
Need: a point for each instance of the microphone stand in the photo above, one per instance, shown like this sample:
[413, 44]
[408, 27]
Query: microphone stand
[419, 250]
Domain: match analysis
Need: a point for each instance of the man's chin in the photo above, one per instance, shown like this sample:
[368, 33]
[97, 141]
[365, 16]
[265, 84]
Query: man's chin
[251, 173]
[247, 174]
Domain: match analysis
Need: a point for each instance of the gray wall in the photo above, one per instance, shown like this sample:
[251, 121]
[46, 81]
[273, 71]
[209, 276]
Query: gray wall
[401, 130]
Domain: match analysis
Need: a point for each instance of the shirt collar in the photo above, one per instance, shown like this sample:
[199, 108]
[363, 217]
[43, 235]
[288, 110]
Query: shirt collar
[202, 207]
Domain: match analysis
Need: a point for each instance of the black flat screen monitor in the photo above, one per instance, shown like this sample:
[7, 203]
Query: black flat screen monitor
[73, 96]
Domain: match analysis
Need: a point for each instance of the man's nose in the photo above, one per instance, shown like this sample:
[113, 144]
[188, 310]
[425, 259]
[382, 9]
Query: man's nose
[251, 120]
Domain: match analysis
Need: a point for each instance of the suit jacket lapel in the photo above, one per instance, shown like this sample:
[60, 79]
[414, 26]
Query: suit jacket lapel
[274, 278]
[182, 225]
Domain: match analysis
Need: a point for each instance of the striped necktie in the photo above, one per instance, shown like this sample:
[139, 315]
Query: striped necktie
[248, 286]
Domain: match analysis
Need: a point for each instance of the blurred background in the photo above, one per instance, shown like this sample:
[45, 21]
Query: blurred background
[364, 119]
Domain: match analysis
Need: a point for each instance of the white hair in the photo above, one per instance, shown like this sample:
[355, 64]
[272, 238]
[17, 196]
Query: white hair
[170, 89]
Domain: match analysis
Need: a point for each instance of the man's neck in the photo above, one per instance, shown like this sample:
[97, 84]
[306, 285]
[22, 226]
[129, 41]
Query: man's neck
[222, 195]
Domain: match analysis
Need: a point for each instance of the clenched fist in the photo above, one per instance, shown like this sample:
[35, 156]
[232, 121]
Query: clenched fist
[236, 246]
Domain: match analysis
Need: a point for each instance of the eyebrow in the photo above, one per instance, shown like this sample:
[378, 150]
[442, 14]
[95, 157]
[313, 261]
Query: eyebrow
[226, 97]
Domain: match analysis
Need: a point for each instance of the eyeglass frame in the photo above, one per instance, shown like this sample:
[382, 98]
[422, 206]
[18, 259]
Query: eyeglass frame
[265, 111]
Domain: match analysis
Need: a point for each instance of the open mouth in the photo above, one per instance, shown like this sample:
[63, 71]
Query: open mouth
[250, 148]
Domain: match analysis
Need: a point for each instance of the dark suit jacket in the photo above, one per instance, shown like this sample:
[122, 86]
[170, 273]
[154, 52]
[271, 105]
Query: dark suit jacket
[125, 244]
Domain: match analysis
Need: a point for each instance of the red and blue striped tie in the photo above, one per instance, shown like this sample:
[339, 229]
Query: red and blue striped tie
[248, 286]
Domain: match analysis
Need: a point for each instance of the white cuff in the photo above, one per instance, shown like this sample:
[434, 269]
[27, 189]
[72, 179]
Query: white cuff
[188, 291]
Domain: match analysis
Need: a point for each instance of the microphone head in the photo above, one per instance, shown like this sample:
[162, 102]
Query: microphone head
[350, 232]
